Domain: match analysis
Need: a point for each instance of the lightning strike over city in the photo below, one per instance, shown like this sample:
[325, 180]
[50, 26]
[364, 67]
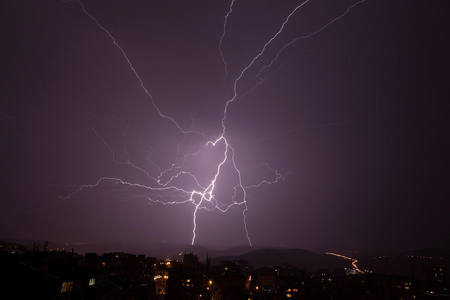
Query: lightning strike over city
[202, 195]
[310, 124]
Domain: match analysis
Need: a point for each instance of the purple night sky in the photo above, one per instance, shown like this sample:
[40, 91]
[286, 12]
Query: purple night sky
[336, 131]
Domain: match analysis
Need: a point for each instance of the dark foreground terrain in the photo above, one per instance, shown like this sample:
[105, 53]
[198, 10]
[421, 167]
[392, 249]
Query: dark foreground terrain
[50, 272]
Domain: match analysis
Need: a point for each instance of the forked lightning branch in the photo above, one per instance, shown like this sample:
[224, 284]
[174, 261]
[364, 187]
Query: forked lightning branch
[166, 188]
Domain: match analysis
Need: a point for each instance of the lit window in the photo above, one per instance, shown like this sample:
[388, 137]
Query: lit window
[288, 295]
[67, 286]
[91, 281]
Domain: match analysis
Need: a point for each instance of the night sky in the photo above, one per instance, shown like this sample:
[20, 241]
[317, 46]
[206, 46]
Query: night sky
[336, 131]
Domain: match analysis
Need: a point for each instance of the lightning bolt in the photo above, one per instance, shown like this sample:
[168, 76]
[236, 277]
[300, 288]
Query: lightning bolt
[223, 36]
[178, 185]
